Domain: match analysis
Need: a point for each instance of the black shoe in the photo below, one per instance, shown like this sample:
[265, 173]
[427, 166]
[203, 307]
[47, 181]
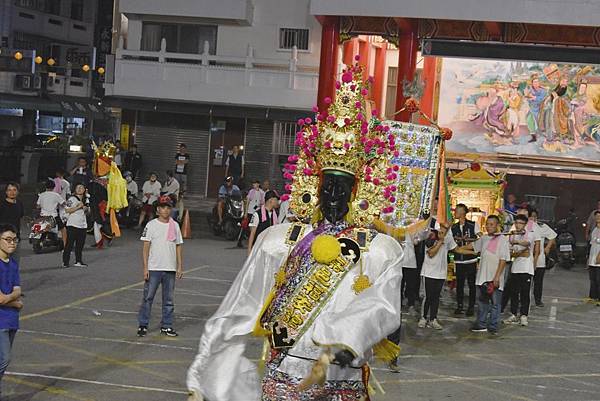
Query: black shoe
[477, 329]
[142, 331]
[64, 266]
[168, 331]
[459, 311]
[394, 367]
[470, 312]
[539, 304]
[493, 332]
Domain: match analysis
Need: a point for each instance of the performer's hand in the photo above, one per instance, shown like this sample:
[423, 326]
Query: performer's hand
[344, 358]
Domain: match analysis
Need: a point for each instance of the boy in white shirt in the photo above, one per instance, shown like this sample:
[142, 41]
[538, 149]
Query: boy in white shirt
[150, 194]
[522, 271]
[162, 257]
[546, 233]
[495, 252]
[435, 271]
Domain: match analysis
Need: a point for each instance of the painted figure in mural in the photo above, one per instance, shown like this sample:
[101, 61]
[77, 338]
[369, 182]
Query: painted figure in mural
[515, 101]
[535, 95]
[554, 118]
[579, 117]
[491, 116]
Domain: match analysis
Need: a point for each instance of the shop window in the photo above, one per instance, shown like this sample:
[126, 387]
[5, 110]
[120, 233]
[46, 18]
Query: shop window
[284, 136]
[181, 38]
[290, 37]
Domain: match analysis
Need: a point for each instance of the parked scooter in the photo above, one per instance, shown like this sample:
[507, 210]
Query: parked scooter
[565, 242]
[233, 213]
[45, 236]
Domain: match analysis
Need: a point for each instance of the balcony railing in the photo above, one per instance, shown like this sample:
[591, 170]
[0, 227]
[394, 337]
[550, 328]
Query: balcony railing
[214, 78]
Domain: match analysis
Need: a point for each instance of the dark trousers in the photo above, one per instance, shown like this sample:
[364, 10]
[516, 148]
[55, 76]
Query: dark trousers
[75, 237]
[433, 290]
[410, 283]
[538, 284]
[508, 288]
[520, 298]
[465, 272]
[595, 282]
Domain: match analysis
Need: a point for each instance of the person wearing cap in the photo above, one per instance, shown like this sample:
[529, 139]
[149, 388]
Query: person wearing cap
[227, 189]
[163, 263]
[263, 218]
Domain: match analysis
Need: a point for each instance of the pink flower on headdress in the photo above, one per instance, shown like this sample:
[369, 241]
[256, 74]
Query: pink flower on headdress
[301, 122]
[347, 77]
[288, 176]
[376, 181]
[386, 128]
[347, 121]
[392, 200]
[285, 197]
[368, 178]
[352, 87]
[364, 130]
[371, 79]
[308, 120]
[307, 171]
[327, 145]
[347, 145]
[293, 167]
[396, 154]
[368, 170]
[331, 119]
[364, 92]
[358, 105]
[380, 151]
[357, 57]
[310, 162]
[338, 84]
[327, 100]
[360, 117]
[315, 108]
[374, 113]
[396, 168]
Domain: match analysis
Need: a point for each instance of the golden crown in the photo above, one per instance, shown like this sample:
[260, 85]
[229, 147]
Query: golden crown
[343, 138]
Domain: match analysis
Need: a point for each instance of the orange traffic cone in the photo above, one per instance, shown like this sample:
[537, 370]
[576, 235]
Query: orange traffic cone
[186, 227]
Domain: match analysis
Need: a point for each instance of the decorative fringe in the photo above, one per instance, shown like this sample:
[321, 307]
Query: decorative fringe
[114, 223]
[263, 357]
[400, 232]
[386, 351]
[318, 373]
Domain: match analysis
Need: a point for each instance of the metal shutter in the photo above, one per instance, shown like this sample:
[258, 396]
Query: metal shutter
[258, 152]
[158, 146]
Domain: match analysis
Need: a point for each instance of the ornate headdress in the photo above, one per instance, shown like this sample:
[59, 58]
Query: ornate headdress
[342, 139]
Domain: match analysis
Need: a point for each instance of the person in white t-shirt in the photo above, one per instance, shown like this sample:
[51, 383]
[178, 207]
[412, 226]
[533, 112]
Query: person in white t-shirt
[594, 260]
[50, 203]
[495, 252]
[549, 235]
[522, 250]
[163, 263]
[76, 209]
[435, 271]
[150, 193]
[255, 199]
[171, 186]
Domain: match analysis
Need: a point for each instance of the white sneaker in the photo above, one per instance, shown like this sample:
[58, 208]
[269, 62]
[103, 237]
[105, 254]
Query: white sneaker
[524, 320]
[511, 320]
[436, 325]
[78, 264]
[422, 323]
[412, 311]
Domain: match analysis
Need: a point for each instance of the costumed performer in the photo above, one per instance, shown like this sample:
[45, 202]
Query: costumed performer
[324, 295]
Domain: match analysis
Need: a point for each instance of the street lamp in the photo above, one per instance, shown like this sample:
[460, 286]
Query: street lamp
[18, 56]
[101, 70]
[51, 62]
[85, 68]
[38, 60]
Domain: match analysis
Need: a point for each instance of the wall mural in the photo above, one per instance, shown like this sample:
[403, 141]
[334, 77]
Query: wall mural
[524, 108]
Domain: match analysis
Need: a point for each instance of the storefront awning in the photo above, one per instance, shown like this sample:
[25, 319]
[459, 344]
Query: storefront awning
[13, 101]
[80, 107]
[68, 106]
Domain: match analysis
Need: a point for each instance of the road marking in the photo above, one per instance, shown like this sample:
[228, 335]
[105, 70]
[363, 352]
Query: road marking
[47, 389]
[110, 340]
[95, 382]
[92, 298]
[443, 378]
[123, 312]
[183, 292]
[216, 280]
[553, 311]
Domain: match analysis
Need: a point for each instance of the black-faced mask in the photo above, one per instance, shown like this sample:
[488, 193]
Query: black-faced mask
[336, 192]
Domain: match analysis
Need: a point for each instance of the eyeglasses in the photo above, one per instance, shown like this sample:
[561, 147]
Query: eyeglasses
[11, 240]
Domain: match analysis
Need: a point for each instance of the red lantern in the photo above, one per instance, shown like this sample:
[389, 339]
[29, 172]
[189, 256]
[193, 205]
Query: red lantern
[411, 105]
[475, 166]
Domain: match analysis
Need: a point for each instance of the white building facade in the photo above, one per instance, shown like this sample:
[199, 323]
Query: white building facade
[214, 75]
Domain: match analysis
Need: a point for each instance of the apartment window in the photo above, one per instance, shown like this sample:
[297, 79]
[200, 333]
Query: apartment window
[52, 7]
[181, 38]
[77, 10]
[284, 136]
[290, 37]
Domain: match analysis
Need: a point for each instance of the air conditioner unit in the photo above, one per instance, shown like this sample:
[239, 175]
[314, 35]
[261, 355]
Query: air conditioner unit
[23, 82]
[49, 82]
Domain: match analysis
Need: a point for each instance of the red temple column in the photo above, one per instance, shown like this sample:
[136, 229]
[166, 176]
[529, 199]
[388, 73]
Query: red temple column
[379, 75]
[408, 46]
[349, 51]
[330, 36]
[429, 65]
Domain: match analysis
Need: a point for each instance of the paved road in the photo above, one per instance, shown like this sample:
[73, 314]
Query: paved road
[78, 342]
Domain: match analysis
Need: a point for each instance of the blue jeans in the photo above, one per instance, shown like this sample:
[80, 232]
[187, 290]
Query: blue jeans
[7, 336]
[167, 280]
[489, 312]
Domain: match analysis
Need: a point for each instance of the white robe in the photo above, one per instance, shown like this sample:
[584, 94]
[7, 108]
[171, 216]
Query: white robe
[220, 372]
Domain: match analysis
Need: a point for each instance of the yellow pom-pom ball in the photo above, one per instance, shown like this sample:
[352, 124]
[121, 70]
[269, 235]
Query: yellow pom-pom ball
[325, 249]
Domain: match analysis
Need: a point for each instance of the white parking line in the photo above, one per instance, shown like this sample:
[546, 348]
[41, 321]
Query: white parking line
[183, 292]
[553, 311]
[95, 382]
[123, 312]
[103, 339]
[207, 279]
